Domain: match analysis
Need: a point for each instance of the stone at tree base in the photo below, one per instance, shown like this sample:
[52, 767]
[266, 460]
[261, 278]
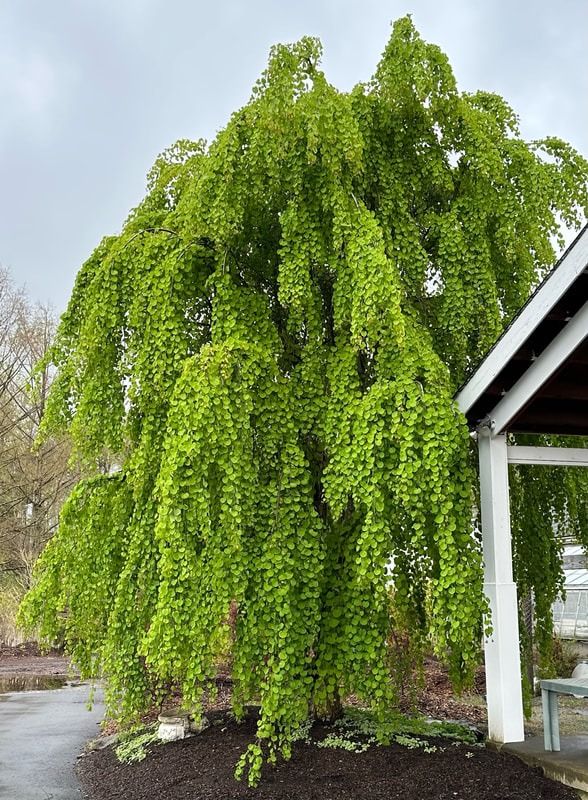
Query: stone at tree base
[173, 725]
[101, 742]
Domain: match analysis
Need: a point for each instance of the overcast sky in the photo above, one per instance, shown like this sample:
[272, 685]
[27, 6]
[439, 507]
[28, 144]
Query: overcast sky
[92, 90]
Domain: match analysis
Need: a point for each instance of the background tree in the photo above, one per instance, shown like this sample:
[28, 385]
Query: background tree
[271, 347]
[33, 484]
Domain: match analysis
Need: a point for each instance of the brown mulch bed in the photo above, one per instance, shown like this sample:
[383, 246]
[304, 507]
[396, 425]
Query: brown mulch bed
[437, 698]
[201, 768]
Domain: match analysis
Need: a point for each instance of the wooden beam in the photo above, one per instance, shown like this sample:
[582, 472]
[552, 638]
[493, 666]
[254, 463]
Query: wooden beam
[540, 371]
[552, 456]
[550, 427]
[565, 390]
[561, 415]
[526, 355]
[557, 389]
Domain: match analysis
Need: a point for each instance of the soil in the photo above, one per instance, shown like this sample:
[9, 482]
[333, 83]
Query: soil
[201, 768]
[436, 697]
[27, 659]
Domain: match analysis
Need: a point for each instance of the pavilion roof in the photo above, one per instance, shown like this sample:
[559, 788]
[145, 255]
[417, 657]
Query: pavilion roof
[535, 377]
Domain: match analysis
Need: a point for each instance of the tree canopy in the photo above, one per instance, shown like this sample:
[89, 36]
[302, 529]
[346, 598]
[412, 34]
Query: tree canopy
[270, 349]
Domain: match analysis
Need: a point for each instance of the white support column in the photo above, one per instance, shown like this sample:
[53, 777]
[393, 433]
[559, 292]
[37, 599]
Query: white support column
[503, 668]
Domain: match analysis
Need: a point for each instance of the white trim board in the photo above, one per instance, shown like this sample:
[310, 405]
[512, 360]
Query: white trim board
[548, 456]
[573, 262]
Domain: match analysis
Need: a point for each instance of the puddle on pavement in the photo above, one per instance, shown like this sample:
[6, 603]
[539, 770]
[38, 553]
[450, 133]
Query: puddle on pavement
[28, 683]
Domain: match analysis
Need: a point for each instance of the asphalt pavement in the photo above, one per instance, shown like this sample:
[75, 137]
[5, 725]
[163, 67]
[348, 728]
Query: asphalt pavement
[41, 735]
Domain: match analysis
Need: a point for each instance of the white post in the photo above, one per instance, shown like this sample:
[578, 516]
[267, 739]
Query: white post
[503, 667]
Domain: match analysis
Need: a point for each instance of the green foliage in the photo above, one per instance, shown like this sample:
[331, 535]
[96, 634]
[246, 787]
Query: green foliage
[358, 730]
[547, 504]
[132, 745]
[384, 728]
[561, 659]
[270, 349]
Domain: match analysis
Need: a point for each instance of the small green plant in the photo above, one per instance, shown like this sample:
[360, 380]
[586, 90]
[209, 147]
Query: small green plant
[302, 733]
[385, 729]
[133, 744]
[358, 730]
[413, 743]
[342, 742]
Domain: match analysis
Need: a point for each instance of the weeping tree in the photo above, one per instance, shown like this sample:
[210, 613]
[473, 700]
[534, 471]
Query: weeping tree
[269, 352]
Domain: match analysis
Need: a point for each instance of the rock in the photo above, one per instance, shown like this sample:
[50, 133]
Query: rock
[199, 725]
[176, 724]
[581, 673]
[101, 743]
[173, 725]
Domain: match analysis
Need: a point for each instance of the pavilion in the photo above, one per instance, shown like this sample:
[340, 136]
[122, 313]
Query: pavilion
[534, 380]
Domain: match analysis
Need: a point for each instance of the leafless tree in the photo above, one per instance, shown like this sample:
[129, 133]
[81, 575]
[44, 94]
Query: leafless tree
[33, 481]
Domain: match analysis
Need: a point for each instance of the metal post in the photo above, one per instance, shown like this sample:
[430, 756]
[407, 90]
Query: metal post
[503, 667]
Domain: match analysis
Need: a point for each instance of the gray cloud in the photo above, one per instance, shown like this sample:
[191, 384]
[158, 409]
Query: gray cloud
[92, 91]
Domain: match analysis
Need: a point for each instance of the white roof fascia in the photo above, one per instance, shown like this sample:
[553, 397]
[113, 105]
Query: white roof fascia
[572, 263]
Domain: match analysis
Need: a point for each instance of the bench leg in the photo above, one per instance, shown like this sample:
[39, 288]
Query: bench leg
[550, 720]
[546, 718]
[554, 714]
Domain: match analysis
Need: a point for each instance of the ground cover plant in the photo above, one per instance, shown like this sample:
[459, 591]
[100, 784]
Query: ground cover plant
[356, 730]
[268, 351]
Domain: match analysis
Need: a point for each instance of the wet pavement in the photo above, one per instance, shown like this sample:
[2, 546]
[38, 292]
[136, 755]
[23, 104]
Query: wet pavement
[41, 735]
[23, 683]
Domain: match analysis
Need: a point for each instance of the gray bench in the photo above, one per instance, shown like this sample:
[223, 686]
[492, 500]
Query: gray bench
[549, 692]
